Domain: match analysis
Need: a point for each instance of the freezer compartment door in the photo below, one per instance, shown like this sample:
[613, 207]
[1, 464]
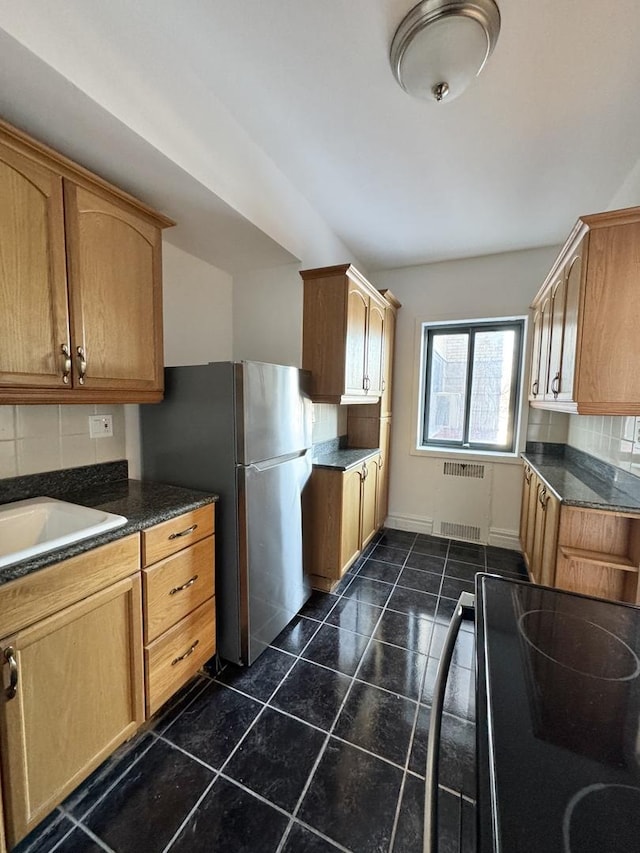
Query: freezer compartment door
[273, 411]
[273, 584]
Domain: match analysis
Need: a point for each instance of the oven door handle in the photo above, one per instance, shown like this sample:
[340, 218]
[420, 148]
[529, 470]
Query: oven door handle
[465, 609]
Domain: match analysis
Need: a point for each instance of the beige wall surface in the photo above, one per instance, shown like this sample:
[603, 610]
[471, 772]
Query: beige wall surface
[492, 286]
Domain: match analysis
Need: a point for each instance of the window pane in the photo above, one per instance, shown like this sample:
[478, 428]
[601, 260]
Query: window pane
[448, 387]
[490, 414]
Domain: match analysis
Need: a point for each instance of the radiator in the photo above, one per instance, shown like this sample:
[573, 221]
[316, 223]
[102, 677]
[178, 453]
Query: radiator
[462, 493]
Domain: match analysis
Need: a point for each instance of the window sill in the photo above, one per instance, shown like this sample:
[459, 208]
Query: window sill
[512, 458]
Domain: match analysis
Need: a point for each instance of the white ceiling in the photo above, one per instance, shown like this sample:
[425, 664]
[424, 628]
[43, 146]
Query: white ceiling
[550, 130]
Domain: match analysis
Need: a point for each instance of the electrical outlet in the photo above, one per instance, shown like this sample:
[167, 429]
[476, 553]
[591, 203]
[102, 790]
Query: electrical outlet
[100, 426]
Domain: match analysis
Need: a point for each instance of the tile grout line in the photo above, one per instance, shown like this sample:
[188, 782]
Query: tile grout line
[84, 829]
[396, 819]
[323, 748]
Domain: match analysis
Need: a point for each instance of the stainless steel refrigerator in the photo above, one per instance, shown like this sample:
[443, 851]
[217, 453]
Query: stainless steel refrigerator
[242, 430]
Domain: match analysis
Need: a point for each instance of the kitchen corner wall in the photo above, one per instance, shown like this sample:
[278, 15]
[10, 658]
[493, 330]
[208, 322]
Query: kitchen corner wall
[547, 426]
[492, 286]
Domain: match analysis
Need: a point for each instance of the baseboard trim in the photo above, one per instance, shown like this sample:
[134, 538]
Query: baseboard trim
[412, 523]
[504, 538]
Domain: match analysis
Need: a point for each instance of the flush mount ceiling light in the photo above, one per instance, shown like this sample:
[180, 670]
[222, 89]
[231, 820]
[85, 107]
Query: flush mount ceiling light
[441, 45]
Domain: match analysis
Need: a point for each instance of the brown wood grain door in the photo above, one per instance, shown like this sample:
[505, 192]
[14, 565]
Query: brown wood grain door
[524, 510]
[356, 344]
[79, 695]
[556, 336]
[115, 277]
[375, 350]
[351, 517]
[34, 323]
[535, 381]
[573, 286]
[388, 347]
[382, 502]
[369, 499]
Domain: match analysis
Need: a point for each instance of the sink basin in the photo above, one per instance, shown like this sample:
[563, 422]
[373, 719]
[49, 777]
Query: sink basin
[37, 525]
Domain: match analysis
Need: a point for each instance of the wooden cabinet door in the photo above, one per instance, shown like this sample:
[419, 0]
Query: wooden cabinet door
[535, 563]
[351, 517]
[79, 695]
[556, 336]
[33, 286]
[382, 502]
[535, 386]
[369, 498]
[356, 343]
[524, 510]
[534, 487]
[375, 349]
[573, 288]
[550, 506]
[114, 266]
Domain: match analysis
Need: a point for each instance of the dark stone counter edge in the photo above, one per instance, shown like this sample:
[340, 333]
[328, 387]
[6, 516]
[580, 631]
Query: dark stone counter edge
[344, 459]
[570, 459]
[143, 503]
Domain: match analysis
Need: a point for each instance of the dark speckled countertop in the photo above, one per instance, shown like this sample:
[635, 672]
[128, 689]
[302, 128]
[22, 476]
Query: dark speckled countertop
[581, 480]
[142, 503]
[335, 454]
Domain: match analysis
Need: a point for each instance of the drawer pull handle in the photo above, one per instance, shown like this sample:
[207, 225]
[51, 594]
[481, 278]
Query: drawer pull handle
[82, 364]
[66, 363]
[186, 585]
[186, 654]
[10, 658]
[183, 532]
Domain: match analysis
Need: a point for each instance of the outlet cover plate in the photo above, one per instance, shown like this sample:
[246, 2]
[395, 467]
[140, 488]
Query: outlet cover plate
[100, 426]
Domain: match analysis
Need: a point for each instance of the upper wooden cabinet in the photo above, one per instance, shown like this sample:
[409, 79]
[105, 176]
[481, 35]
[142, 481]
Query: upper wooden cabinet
[80, 283]
[586, 316]
[343, 335]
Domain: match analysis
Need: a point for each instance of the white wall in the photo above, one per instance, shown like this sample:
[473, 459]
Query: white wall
[493, 286]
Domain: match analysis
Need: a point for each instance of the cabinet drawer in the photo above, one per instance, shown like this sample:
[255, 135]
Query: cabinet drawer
[176, 586]
[172, 659]
[171, 536]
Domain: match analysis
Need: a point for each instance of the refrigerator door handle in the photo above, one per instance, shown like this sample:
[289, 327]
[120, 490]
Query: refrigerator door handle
[272, 463]
[464, 610]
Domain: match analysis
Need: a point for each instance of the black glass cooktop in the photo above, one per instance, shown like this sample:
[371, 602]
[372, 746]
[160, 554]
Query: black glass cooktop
[559, 690]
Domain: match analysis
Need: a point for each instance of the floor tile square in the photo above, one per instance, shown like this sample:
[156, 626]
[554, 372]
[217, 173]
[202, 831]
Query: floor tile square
[276, 757]
[368, 591]
[159, 791]
[302, 840]
[459, 698]
[337, 649]
[418, 756]
[378, 721]
[230, 819]
[312, 693]
[262, 677]
[462, 571]
[453, 587]
[318, 605]
[355, 615]
[458, 755]
[434, 545]
[397, 538]
[410, 828]
[464, 649]
[413, 602]
[393, 668]
[213, 724]
[296, 635]
[352, 798]
[426, 562]
[405, 629]
[422, 581]
[389, 554]
[467, 553]
[503, 558]
[77, 842]
[379, 571]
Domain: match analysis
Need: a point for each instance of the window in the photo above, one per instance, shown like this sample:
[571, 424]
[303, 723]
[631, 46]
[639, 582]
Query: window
[471, 385]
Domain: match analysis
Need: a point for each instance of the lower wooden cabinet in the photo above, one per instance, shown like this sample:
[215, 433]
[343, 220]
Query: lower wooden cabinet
[179, 612]
[589, 551]
[339, 519]
[78, 695]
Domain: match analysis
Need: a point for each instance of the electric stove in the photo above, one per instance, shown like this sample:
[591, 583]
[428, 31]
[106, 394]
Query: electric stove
[558, 721]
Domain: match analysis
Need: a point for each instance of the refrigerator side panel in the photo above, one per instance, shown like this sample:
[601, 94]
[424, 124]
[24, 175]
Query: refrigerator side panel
[277, 587]
[274, 411]
[189, 440]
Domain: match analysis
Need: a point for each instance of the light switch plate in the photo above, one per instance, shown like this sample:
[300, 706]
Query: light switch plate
[100, 426]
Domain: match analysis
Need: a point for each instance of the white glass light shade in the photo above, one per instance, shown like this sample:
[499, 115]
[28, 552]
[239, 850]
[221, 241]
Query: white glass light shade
[441, 45]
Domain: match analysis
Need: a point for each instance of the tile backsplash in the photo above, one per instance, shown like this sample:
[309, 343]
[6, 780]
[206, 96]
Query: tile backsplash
[34, 439]
[329, 421]
[614, 439]
[547, 426]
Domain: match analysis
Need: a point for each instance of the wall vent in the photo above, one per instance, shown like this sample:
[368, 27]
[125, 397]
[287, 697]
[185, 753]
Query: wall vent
[464, 469]
[460, 531]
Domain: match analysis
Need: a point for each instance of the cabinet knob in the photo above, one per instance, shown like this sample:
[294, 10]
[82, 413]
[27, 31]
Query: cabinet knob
[82, 364]
[10, 657]
[66, 363]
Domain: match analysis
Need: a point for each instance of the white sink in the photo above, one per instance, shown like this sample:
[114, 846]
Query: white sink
[37, 525]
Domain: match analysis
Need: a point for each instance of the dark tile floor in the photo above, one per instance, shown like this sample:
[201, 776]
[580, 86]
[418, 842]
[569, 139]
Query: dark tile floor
[320, 745]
